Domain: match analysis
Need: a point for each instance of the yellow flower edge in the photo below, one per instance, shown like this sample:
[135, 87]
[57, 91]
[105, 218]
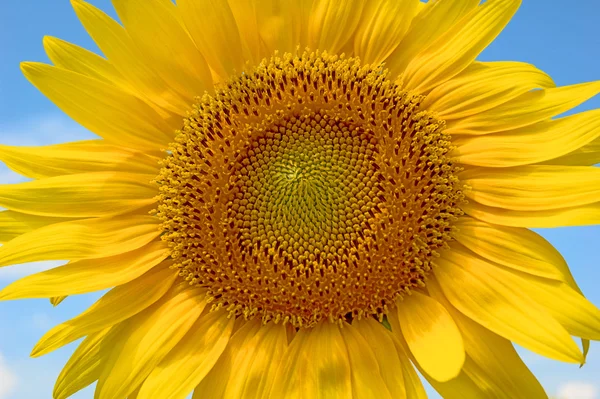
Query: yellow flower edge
[304, 200]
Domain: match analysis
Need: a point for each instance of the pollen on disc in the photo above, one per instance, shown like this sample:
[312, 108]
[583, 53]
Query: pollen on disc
[310, 188]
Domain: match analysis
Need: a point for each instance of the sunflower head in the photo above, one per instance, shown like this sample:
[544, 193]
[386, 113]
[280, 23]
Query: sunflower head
[283, 223]
[310, 188]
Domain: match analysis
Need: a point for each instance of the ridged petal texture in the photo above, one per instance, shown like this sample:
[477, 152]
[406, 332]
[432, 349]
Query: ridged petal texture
[525, 164]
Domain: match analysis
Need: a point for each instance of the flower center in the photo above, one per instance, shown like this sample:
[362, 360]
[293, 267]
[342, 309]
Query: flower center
[311, 188]
[305, 190]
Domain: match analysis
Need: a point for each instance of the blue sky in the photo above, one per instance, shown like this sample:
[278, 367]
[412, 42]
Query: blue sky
[559, 37]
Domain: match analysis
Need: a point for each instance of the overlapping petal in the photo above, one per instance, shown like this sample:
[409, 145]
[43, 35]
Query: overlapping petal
[80, 195]
[429, 331]
[119, 304]
[77, 157]
[112, 113]
[458, 47]
[573, 140]
[484, 293]
[80, 239]
[326, 376]
[147, 339]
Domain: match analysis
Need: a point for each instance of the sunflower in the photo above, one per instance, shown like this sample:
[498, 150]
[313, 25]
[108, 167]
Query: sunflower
[304, 199]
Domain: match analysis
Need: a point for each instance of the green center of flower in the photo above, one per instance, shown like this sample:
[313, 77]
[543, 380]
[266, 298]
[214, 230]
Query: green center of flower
[311, 188]
[306, 190]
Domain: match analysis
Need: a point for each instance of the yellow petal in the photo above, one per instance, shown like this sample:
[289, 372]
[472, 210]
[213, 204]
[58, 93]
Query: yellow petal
[482, 292]
[279, 24]
[572, 310]
[77, 59]
[463, 385]
[533, 187]
[527, 109]
[587, 155]
[129, 60]
[147, 340]
[367, 381]
[134, 394]
[190, 360]
[118, 304]
[471, 383]
[497, 362]
[414, 386]
[245, 23]
[543, 141]
[381, 343]
[81, 195]
[77, 157]
[327, 376]
[575, 216]
[585, 343]
[216, 381]
[432, 21]
[514, 247]
[332, 23]
[86, 363]
[420, 7]
[156, 30]
[101, 107]
[79, 239]
[57, 300]
[212, 26]
[255, 363]
[87, 275]
[482, 86]
[13, 224]
[382, 27]
[458, 46]
[412, 382]
[429, 330]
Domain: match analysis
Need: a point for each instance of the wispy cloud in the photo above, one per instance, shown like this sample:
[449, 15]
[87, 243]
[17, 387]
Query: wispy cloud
[8, 380]
[578, 390]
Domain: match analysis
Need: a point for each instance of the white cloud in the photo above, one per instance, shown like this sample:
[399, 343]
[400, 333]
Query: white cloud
[8, 380]
[577, 390]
